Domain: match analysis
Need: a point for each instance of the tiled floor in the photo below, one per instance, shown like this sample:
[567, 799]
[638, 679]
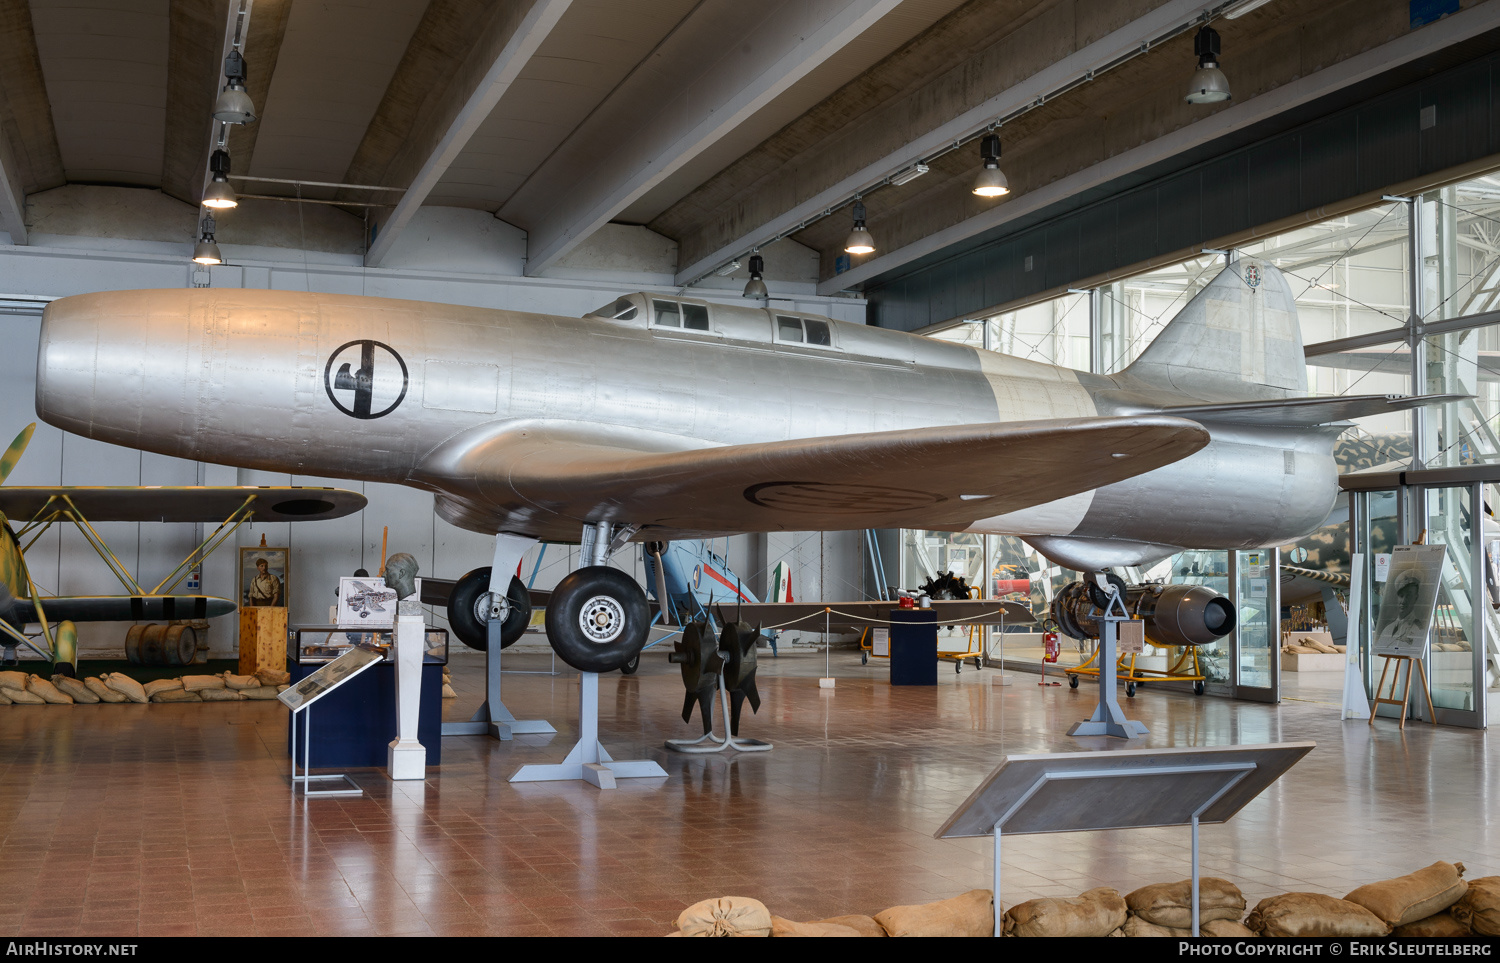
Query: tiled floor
[121, 820]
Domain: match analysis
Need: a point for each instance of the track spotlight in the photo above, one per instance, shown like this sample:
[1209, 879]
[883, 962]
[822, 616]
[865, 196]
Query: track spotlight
[207, 249]
[1209, 85]
[220, 196]
[756, 286]
[859, 240]
[991, 181]
[234, 105]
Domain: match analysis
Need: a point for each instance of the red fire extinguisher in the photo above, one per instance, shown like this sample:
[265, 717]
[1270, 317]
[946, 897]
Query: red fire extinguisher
[1050, 643]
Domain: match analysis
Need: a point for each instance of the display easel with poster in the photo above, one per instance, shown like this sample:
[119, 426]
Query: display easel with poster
[1404, 620]
[263, 577]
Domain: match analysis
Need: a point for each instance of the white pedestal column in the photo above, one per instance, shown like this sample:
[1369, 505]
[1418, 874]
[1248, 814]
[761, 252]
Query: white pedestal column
[407, 758]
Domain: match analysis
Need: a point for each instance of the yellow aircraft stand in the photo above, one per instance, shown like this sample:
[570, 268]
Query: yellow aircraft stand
[1185, 669]
[975, 652]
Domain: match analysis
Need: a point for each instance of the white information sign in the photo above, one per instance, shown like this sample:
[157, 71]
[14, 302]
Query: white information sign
[1132, 637]
[880, 643]
[1382, 566]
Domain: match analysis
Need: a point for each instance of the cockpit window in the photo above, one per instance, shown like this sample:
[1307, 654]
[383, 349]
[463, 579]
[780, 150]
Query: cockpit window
[817, 332]
[667, 314]
[695, 317]
[621, 310]
[788, 329]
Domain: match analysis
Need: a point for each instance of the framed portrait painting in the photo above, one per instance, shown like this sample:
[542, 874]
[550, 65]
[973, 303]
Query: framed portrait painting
[263, 576]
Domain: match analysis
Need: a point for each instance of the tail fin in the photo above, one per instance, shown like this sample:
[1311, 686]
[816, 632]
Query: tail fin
[781, 582]
[1237, 338]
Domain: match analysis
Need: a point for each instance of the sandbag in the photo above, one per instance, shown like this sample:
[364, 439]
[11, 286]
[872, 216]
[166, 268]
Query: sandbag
[158, 686]
[1313, 914]
[1479, 908]
[126, 686]
[104, 692]
[1099, 912]
[726, 916]
[1414, 896]
[197, 683]
[76, 689]
[5, 700]
[240, 681]
[259, 693]
[863, 925]
[1171, 904]
[448, 692]
[50, 693]
[220, 695]
[273, 676]
[1224, 929]
[1136, 926]
[25, 697]
[15, 681]
[784, 927]
[176, 695]
[1437, 926]
[968, 914]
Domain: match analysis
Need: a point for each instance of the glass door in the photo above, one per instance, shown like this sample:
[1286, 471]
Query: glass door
[1455, 642]
[1255, 591]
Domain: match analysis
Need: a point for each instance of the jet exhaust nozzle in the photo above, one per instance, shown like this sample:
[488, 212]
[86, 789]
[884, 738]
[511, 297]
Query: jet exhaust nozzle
[1174, 614]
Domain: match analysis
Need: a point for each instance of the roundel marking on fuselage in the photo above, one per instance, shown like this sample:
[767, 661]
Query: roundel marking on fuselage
[366, 379]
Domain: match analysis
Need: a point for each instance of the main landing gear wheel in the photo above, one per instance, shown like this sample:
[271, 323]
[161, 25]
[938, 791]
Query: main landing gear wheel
[469, 610]
[597, 619]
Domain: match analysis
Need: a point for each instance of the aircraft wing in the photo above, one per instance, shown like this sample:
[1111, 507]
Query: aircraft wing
[813, 615]
[181, 503]
[123, 608]
[533, 476]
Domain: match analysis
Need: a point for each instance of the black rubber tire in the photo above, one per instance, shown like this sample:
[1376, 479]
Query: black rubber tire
[1130, 690]
[1072, 682]
[864, 658]
[630, 667]
[958, 666]
[465, 620]
[1198, 687]
[624, 619]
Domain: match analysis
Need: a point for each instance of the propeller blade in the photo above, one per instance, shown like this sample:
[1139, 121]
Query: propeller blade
[661, 587]
[15, 451]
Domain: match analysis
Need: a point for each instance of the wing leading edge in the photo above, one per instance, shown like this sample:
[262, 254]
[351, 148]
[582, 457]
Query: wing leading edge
[545, 478]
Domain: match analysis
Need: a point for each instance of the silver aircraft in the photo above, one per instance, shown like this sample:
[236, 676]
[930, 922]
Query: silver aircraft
[663, 417]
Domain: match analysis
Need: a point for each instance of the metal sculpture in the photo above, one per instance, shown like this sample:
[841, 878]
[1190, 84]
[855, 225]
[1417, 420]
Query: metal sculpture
[697, 651]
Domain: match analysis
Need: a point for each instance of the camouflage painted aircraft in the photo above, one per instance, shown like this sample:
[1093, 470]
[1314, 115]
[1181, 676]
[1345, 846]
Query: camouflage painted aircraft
[22, 604]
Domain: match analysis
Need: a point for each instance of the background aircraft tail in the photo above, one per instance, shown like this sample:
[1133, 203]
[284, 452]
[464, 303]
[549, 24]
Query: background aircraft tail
[1238, 338]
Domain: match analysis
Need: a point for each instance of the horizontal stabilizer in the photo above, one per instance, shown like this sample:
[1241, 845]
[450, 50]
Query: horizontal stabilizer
[1307, 412]
[124, 608]
[179, 503]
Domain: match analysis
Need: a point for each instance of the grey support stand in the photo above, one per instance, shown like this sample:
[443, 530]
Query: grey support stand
[588, 760]
[493, 718]
[1119, 789]
[1108, 718]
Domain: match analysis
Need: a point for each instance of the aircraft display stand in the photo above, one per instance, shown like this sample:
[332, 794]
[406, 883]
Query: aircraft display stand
[1118, 789]
[1108, 718]
[300, 698]
[493, 718]
[1421, 673]
[711, 743]
[588, 760]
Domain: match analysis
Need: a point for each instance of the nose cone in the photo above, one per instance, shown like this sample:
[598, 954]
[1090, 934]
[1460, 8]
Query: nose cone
[116, 366]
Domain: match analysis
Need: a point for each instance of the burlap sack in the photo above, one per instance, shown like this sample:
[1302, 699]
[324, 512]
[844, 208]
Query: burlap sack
[15, 681]
[126, 686]
[448, 692]
[1136, 926]
[50, 693]
[176, 695]
[1224, 929]
[240, 681]
[1437, 926]
[1313, 914]
[273, 676]
[863, 925]
[1171, 904]
[5, 700]
[1414, 896]
[220, 695]
[781, 927]
[1479, 908]
[1095, 913]
[259, 693]
[969, 914]
[25, 697]
[726, 916]
[104, 692]
[76, 689]
[197, 683]
[158, 686]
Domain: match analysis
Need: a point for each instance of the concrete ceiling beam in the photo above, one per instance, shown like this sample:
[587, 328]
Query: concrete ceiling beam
[194, 28]
[494, 63]
[12, 197]
[683, 100]
[940, 132]
[30, 160]
[1243, 114]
